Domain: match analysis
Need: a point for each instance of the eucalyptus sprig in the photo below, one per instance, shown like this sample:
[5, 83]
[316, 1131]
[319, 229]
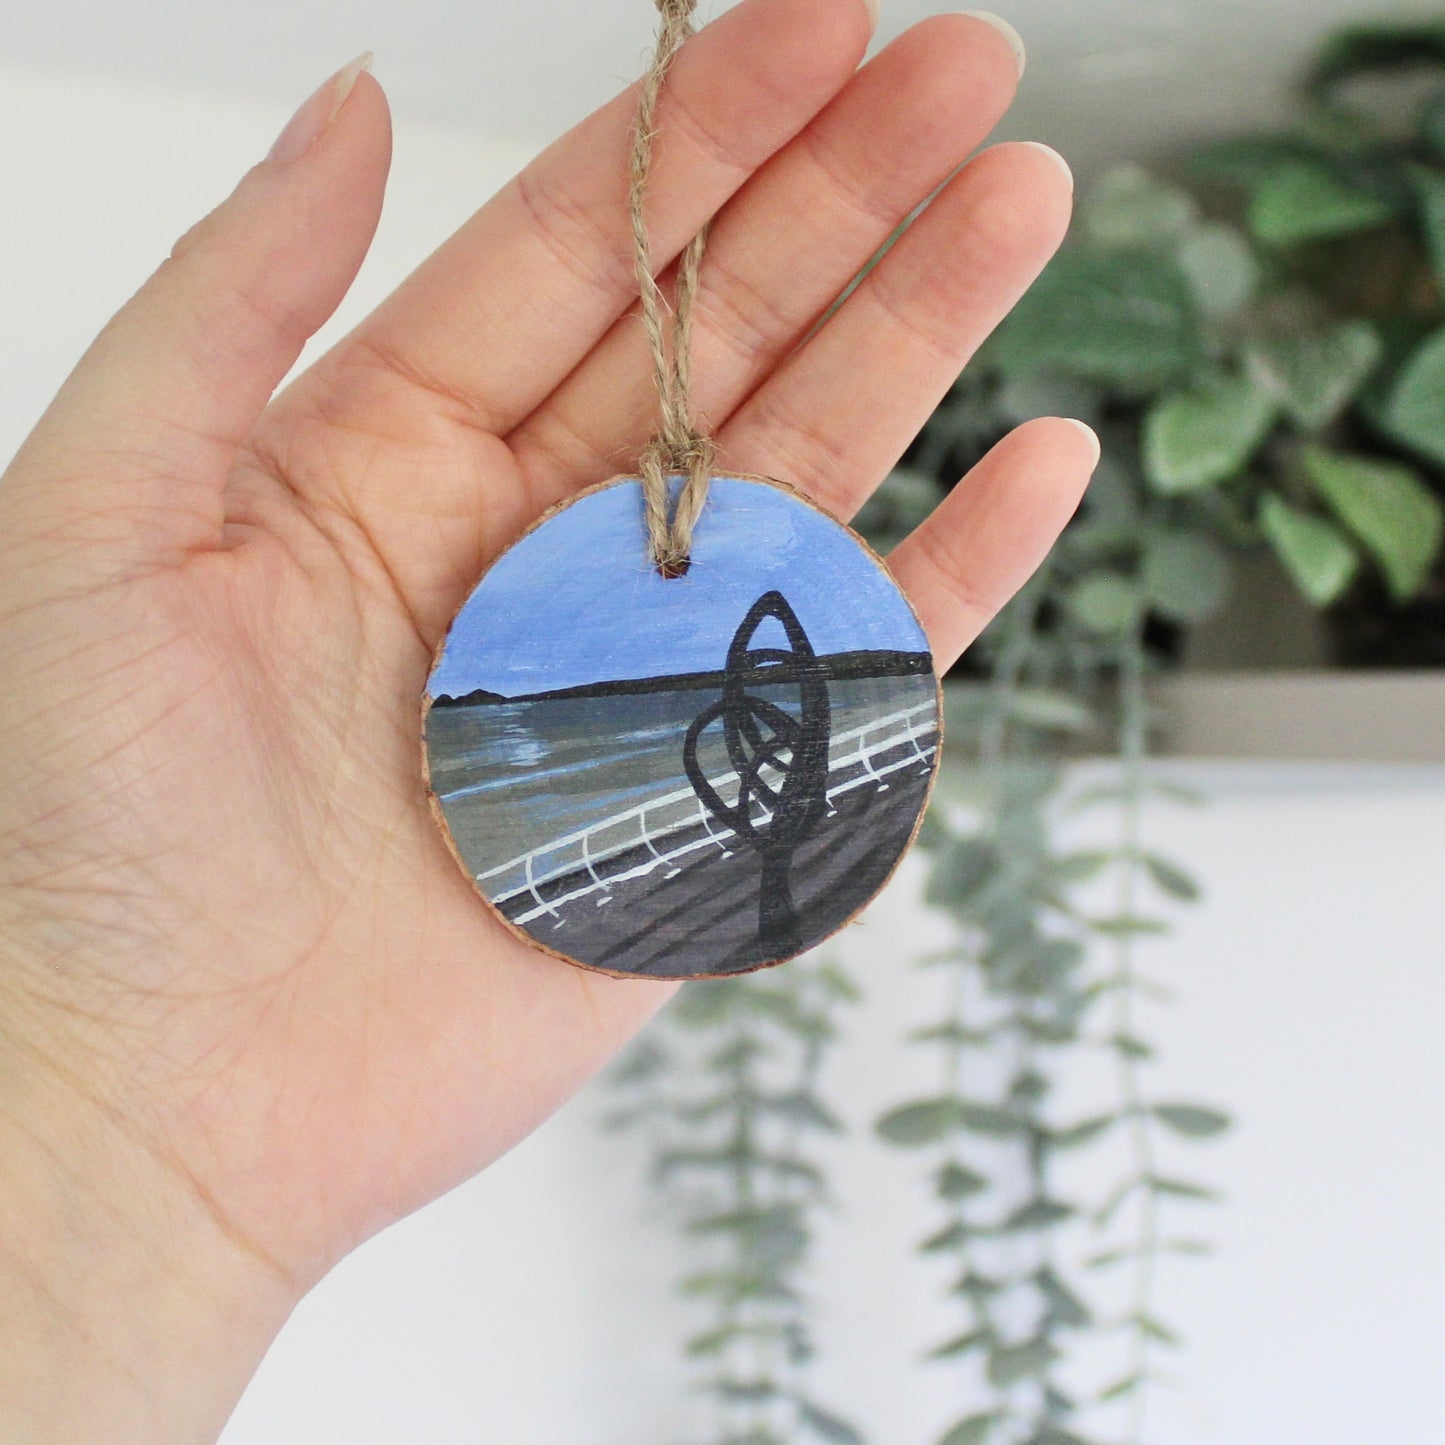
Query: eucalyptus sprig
[1039, 972]
[728, 1086]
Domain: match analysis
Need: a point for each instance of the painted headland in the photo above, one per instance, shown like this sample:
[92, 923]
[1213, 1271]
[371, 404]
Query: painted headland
[691, 776]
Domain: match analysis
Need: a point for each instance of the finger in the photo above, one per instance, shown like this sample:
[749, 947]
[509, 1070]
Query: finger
[987, 537]
[842, 408]
[788, 244]
[147, 426]
[508, 306]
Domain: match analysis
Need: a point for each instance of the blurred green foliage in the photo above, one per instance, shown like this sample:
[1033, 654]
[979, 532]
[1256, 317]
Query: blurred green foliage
[1261, 342]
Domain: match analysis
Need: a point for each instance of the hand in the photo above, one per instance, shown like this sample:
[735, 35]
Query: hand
[252, 1011]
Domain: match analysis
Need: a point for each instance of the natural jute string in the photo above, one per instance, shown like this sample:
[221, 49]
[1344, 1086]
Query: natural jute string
[678, 446]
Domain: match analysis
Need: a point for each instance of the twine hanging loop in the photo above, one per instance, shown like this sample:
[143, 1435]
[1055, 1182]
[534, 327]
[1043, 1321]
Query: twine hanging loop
[678, 447]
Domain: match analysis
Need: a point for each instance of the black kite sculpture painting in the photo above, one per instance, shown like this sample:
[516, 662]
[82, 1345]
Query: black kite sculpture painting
[682, 777]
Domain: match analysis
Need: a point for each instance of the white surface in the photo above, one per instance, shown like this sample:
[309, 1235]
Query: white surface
[101, 177]
[531, 1307]
[1104, 76]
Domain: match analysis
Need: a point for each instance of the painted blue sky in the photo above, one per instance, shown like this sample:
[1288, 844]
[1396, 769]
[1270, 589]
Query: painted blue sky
[577, 601]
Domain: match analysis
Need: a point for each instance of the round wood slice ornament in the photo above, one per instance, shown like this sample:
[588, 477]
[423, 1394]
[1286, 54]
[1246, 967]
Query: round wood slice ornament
[685, 776]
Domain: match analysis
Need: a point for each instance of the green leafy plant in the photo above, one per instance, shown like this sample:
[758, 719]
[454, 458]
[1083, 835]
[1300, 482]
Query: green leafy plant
[1268, 350]
[1261, 343]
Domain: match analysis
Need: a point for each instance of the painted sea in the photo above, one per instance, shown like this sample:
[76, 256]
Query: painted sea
[519, 780]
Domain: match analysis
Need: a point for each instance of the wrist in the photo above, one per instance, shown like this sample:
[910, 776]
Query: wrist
[131, 1314]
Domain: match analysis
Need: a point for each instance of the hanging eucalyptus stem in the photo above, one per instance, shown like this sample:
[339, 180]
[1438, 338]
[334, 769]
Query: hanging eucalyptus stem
[1128, 1053]
[727, 1085]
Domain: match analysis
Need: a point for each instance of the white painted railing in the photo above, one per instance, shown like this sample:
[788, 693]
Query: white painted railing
[649, 825]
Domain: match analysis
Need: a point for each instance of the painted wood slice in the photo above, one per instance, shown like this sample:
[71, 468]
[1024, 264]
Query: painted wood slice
[682, 777]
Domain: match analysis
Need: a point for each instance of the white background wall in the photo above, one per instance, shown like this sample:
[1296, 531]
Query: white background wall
[532, 1307]
[101, 176]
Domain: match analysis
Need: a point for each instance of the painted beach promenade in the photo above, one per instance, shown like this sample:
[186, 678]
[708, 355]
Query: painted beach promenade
[683, 776]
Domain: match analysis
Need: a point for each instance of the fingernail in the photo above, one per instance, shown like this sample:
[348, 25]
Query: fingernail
[1015, 40]
[316, 112]
[1092, 435]
[872, 6]
[1054, 156]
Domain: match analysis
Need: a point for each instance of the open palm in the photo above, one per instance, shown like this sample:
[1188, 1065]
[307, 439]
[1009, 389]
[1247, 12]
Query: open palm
[234, 928]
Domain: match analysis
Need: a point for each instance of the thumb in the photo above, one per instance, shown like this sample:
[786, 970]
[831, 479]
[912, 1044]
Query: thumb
[136, 448]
